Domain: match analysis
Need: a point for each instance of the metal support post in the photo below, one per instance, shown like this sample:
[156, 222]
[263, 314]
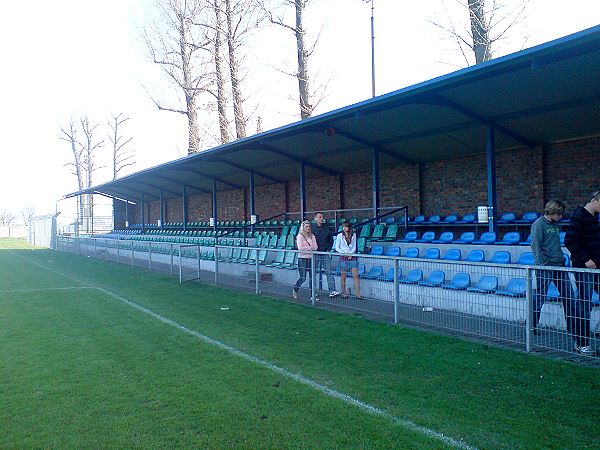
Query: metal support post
[313, 292]
[396, 293]
[375, 183]
[491, 178]
[180, 270]
[257, 273]
[302, 192]
[184, 202]
[149, 255]
[118, 247]
[198, 260]
[529, 317]
[105, 249]
[216, 264]
[171, 259]
[132, 255]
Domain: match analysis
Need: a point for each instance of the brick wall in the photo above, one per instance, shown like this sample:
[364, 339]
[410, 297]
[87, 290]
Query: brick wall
[526, 179]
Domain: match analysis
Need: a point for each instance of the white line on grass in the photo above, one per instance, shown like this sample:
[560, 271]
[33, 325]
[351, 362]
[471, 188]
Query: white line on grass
[68, 288]
[408, 424]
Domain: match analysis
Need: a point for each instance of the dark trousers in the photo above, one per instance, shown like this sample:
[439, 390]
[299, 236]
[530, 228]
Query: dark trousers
[304, 271]
[586, 283]
[561, 280]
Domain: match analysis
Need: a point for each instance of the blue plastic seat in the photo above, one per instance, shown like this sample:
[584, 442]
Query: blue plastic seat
[515, 288]
[487, 238]
[526, 241]
[562, 238]
[413, 277]
[507, 217]
[419, 220]
[389, 220]
[451, 219]
[526, 259]
[411, 236]
[374, 273]
[434, 219]
[466, 238]
[445, 238]
[362, 269]
[432, 253]
[389, 275]
[435, 278]
[476, 256]
[427, 237]
[377, 250]
[412, 252]
[528, 217]
[393, 250]
[460, 281]
[454, 254]
[500, 257]
[486, 284]
[467, 218]
[510, 238]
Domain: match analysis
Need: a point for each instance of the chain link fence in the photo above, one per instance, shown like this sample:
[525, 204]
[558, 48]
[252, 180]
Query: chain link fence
[525, 307]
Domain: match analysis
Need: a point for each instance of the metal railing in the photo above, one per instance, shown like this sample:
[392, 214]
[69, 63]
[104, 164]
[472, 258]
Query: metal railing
[526, 307]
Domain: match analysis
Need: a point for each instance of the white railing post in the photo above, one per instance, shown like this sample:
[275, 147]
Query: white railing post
[529, 317]
[396, 292]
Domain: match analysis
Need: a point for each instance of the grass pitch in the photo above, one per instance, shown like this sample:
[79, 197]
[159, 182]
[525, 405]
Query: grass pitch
[80, 367]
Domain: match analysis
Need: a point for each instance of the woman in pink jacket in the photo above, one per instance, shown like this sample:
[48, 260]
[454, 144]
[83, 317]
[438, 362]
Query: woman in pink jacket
[306, 244]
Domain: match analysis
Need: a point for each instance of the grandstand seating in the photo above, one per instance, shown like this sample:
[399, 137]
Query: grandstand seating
[445, 238]
[374, 273]
[466, 238]
[453, 254]
[500, 257]
[507, 217]
[412, 252]
[528, 217]
[413, 277]
[527, 241]
[427, 237]
[411, 236]
[515, 288]
[451, 219]
[434, 219]
[485, 284]
[393, 250]
[526, 258]
[377, 250]
[476, 256]
[487, 238]
[510, 238]
[432, 253]
[435, 278]
[467, 218]
[460, 281]
[389, 275]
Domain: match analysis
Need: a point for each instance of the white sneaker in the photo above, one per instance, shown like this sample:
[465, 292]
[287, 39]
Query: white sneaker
[295, 294]
[333, 293]
[585, 350]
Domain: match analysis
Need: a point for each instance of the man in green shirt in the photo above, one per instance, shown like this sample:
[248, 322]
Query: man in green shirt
[546, 248]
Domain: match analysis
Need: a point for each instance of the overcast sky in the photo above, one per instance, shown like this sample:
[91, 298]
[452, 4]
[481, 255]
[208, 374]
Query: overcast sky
[69, 58]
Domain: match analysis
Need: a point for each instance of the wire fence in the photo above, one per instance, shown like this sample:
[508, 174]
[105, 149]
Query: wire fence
[550, 310]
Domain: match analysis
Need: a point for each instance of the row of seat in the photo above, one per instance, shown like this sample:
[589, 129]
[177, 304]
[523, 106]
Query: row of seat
[487, 238]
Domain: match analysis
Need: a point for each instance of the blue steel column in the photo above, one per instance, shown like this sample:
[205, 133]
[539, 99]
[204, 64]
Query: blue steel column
[491, 177]
[252, 204]
[162, 211]
[375, 185]
[214, 202]
[302, 192]
[185, 207]
[142, 212]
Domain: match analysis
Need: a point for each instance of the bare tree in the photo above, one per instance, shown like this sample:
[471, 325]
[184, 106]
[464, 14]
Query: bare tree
[6, 217]
[76, 166]
[27, 214]
[304, 51]
[90, 146]
[219, 76]
[121, 157]
[181, 50]
[489, 22]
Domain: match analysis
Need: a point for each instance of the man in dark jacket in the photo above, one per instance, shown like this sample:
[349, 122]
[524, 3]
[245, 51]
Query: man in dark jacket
[583, 241]
[325, 236]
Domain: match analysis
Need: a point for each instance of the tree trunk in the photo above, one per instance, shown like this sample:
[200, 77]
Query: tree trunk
[238, 111]
[303, 78]
[480, 31]
[190, 93]
[221, 101]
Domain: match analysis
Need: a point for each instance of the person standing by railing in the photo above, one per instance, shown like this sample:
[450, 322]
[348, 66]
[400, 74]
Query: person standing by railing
[583, 241]
[546, 248]
[306, 244]
[325, 236]
[345, 245]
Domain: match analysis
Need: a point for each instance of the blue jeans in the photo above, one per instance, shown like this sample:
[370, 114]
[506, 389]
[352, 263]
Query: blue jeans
[543, 278]
[304, 271]
[323, 262]
[587, 283]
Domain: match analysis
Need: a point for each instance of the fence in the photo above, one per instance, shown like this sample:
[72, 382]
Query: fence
[526, 307]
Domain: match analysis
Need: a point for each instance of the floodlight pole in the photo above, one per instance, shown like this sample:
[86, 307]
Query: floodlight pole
[373, 47]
